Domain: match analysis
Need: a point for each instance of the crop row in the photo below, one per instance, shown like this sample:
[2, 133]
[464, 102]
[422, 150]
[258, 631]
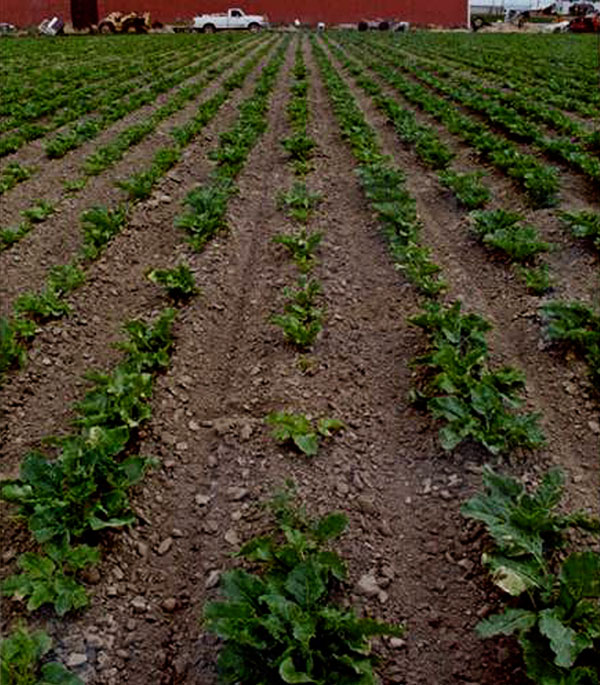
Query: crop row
[479, 403]
[108, 154]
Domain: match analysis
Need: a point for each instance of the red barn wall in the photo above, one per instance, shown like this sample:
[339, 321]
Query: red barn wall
[31, 12]
[444, 12]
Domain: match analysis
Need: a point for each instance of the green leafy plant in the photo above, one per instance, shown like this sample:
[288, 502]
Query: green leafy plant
[584, 224]
[468, 188]
[12, 352]
[279, 623]
[178, 282]
[12, 174]
[578, 325]
[85, 487]
[537, 279]
[99, 226]
[501, 230]
[557, 619]
[207, 207]
[300, 202]
[301, 245]
[50, 579]
[300, 148]
[300, 430]
[39, 212]
[301, 321]
[42, 306]
[459, 388]
[9, 236]
[20, 656]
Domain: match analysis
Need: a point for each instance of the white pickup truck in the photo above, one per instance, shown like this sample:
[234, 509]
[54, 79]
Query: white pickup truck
[232, 19]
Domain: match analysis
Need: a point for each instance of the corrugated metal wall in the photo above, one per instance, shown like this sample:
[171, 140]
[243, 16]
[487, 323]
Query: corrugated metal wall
[444, 12]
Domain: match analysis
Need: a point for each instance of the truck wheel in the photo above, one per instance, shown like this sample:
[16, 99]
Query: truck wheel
[208, 28]
[106, 27]
[384, 26]
[254, 27]
[363, 26]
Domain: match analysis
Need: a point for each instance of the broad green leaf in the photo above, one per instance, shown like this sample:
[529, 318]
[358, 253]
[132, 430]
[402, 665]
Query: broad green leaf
[257, 549]
[305, 584]
[325, 426]
[331, 526]
[307, 443]
[36, 566]
[43, 593]
[581, 574]
[289, 674]
[507, 623]
[56, 674]
[512, 575]
[563, 639]
[15, 492]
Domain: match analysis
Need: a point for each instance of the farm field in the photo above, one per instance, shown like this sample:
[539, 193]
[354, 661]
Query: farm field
[363, 263]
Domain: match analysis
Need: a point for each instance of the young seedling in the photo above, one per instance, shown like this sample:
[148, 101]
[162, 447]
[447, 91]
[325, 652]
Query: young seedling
[503, 231]
[178, 282]
[50, 579]
[302, 320]
[99, 226]
[304, 433]
[279, 623]
[585, 224]
[537, 279]
[39, 212]
[301, 246]
[300, 202]
[468, 188]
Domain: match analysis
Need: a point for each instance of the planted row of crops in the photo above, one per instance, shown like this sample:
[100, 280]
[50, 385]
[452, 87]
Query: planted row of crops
[280, 616]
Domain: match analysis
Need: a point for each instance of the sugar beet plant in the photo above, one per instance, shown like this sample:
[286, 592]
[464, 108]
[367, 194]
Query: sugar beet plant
[459, 388]
[584, 224]
[299, 146]
[21, 655]
[301, 320]
[84, 489]
[301, 431]
[506, 233]
[577, 325]
[555, 610]
[278, 621]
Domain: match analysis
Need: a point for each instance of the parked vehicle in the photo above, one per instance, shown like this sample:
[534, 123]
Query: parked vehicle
[52, 27]
[125, 22]
[234, 18]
